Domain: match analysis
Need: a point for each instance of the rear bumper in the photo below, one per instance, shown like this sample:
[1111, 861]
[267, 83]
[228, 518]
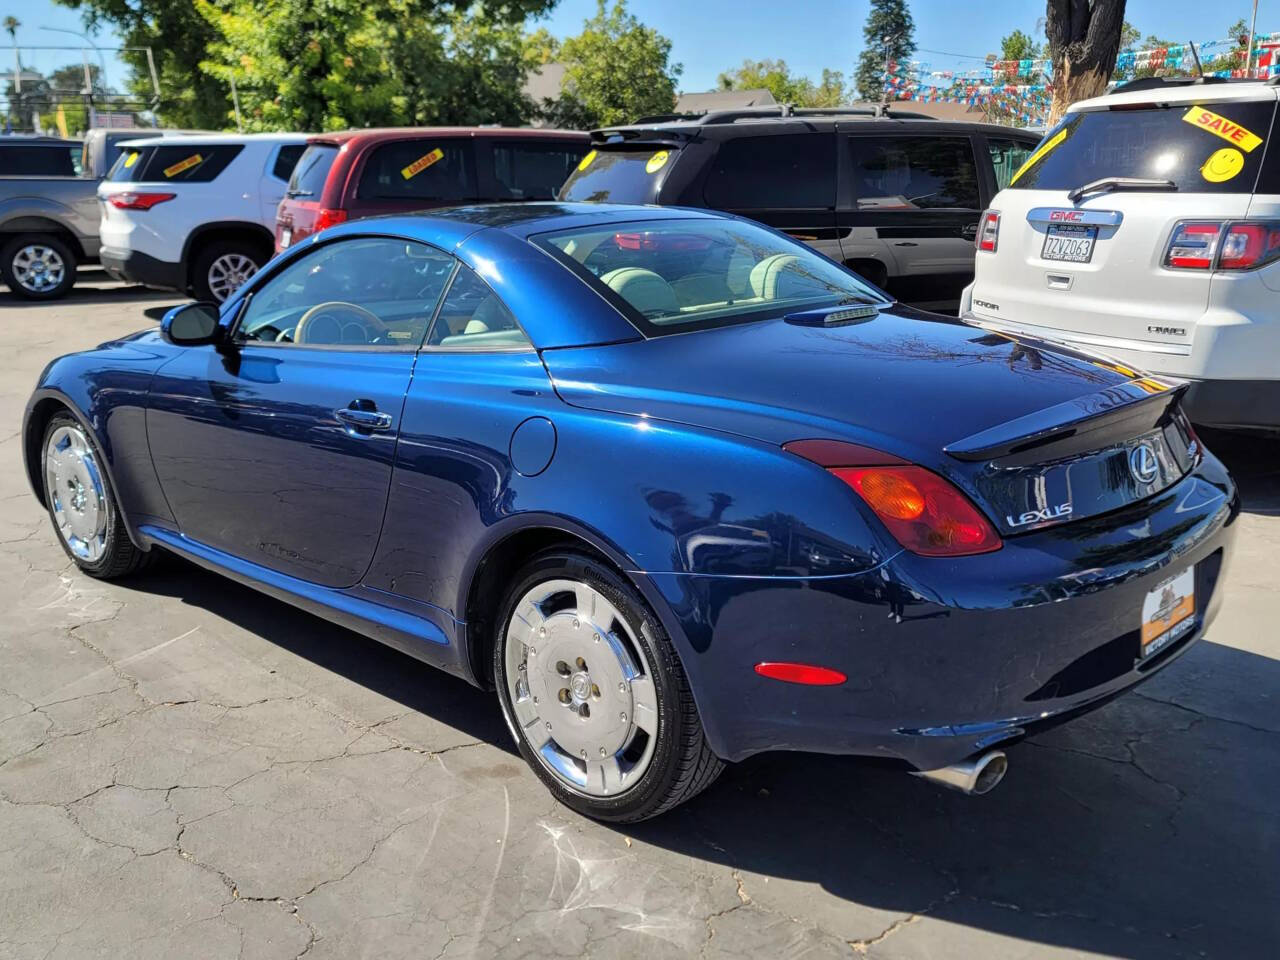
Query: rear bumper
[946, 658]
[134, 266]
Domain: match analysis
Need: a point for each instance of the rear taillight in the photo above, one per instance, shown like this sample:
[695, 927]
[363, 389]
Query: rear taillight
[327, 218]
[922, 511]
[989, 231]
[138, 201]
[1219, 245]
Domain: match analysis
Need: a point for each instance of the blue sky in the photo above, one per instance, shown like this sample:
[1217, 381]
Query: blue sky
[713, 35]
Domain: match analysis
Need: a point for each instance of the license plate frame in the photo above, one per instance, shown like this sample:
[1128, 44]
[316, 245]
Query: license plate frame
[1168, 613]
[1068, 231]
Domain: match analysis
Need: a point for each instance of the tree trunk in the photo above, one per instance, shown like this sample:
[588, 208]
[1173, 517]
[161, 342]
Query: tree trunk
[1084, 40]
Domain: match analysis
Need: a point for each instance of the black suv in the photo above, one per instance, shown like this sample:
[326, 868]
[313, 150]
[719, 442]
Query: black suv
[896, 196]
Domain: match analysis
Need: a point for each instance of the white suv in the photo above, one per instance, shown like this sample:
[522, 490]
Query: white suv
[1146, 226]
[195, 213]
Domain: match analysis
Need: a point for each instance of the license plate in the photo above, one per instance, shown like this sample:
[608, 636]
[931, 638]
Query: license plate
[1168, 612]
[285, 236]
[1068, 242]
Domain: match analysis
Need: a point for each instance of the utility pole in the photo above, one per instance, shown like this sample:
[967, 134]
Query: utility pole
[1248, 57]
[235, 102]
[884, 91]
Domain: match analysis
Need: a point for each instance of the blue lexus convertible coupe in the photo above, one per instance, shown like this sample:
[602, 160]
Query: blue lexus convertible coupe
[677, 487]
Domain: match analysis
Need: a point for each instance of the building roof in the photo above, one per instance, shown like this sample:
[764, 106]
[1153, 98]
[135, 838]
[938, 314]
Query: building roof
[723, 100]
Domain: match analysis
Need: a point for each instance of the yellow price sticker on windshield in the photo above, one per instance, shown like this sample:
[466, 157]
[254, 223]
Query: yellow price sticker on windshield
[415, 168]
[192, 161]
[1040, 153]
[1228, 130]
[130, 160]
[657, 161]
[586, 161]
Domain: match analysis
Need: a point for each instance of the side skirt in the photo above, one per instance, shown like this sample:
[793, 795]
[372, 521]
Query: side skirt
[408, 625]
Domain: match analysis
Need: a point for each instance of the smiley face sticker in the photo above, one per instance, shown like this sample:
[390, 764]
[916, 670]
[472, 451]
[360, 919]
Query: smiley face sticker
[657, 161]
[1222, 165]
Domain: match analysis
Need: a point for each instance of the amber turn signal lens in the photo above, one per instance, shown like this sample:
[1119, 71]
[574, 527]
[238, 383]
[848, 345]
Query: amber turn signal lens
[922, 511]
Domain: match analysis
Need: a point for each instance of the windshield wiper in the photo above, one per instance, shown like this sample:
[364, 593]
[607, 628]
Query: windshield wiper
[1111, 184]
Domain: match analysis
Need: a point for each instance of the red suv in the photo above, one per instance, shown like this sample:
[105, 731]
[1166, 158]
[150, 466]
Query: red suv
[363, 173]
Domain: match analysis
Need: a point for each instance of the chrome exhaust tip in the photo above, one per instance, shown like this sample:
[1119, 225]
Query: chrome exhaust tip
[974, 777]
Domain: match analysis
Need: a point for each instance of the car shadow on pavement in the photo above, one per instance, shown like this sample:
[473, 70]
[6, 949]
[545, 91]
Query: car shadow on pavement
[1147, 829]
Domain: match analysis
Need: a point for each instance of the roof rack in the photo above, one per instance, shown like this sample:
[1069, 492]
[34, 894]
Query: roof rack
[1156, 83]
[787, 110]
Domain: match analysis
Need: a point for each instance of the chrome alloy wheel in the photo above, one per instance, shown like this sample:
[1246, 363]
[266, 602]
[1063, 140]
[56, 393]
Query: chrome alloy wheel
[38, 268]
[228, 274]
[581, 689]
[77, 493]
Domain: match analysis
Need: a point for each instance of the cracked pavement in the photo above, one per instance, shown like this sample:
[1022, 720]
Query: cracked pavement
[190, 769]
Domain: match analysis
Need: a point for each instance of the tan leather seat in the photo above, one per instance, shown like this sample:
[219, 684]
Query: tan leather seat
[644, 290]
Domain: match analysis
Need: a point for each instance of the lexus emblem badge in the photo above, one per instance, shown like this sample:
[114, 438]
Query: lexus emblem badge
[1143, 463]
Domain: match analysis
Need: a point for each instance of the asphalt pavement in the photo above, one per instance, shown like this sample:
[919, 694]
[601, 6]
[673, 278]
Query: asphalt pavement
[190, 769]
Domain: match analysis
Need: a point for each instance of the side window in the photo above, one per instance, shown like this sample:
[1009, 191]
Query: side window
[355, 292]
[431, 170]
[37, 161]
[914, 173]
[192, 163]
[130, 163]
[774, 173]
[473, 318]
[533, 171]
[1269, 178]
[1007, 158]
[286, 160]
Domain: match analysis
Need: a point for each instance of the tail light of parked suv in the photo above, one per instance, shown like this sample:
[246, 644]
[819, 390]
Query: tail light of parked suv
[328, 217]
[923, 511]
[989, 231]
[1219, 245]
[138, 201]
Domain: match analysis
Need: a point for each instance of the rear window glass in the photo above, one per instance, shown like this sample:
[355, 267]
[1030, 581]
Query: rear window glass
[671, 276]
[1007, 158]
[129, 164]
[914, 173]
[31, 160]
[311, 172]
[286, 160]
[189, 163]
[774, 173]
[533, 171]
[1216, 148]
[429, 170]
[620, 176]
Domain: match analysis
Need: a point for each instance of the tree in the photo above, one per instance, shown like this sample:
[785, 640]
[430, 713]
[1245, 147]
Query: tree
[1019, 46]
[1129, 36]
[616, 70]
[178, 36]
[889, 33]
[772, 75]
[831, 90]
[1084, 40]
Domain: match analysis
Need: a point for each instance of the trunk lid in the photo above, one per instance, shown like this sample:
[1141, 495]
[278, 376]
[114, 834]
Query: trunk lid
[1117, 292]
[1021, 426]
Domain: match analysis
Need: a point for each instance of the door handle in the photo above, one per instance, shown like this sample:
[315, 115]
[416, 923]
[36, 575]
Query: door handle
[906, 243]
[363, 419]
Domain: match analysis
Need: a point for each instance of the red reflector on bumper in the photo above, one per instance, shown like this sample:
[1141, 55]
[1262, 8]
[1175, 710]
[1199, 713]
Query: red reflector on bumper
[801, 673]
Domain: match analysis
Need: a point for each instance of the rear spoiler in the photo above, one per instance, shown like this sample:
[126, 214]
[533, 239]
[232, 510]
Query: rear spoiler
[1117, 413]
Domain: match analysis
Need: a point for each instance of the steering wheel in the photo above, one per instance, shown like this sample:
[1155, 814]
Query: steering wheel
[324, 323]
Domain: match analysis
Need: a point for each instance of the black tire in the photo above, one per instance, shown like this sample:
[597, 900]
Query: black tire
[682, 763]
[14, 247]
[208, 255]
[120, 556]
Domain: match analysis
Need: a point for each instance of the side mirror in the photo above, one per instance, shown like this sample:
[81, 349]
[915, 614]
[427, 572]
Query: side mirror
[191, 325]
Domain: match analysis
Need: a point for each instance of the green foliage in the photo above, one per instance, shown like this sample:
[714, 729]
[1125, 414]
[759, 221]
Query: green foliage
[1019, 46]
[889, 28]
[786, 87]
[616, 70]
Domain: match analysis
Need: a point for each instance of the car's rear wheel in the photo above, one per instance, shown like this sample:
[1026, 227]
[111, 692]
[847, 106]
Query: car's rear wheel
[38, 267]
[82, 505]
[594, 693]
[222, 268]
